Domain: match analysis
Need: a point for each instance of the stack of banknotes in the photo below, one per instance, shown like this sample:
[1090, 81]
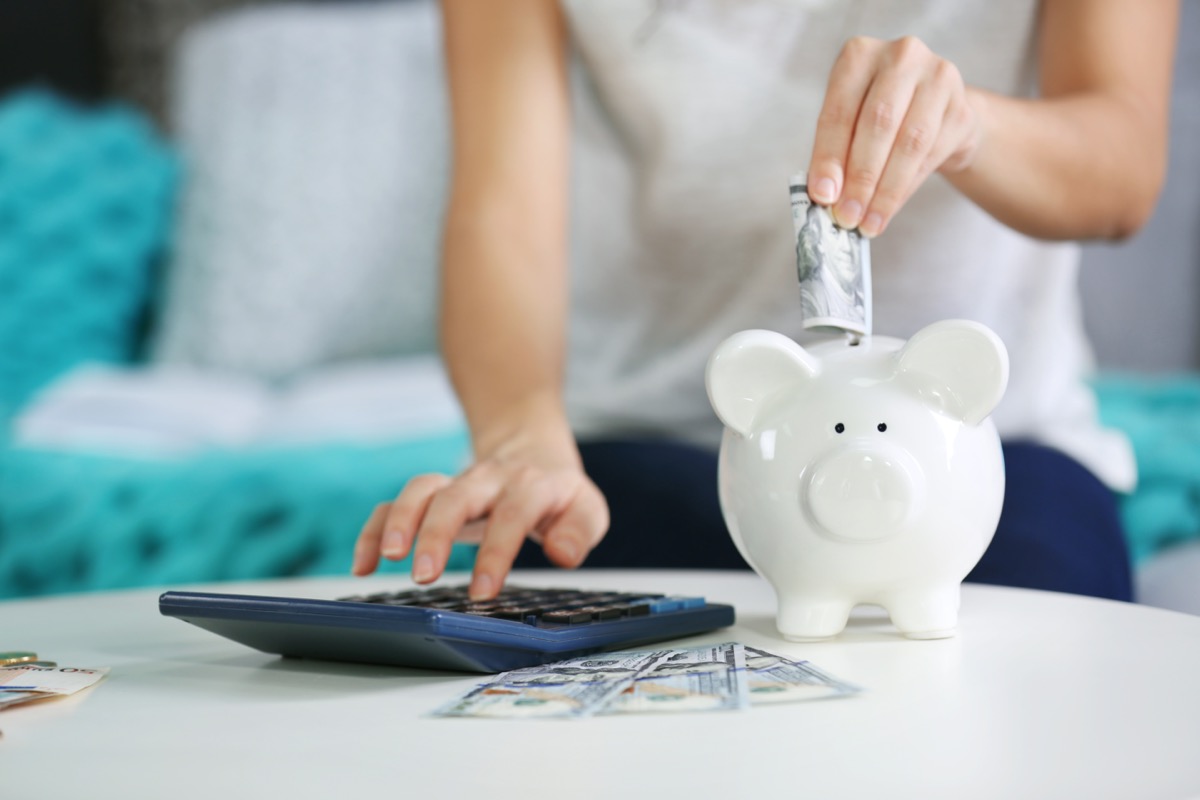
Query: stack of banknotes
[720, 677]
[28, 680]
[833, 265]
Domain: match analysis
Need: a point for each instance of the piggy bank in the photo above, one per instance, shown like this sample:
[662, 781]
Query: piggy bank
[861, 473]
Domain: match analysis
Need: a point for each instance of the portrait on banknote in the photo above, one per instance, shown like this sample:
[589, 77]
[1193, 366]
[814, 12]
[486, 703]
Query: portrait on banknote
[830, 290]
[833, 266]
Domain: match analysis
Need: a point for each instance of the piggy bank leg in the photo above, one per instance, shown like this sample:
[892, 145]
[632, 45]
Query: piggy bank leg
[925, 614]
[809, 619]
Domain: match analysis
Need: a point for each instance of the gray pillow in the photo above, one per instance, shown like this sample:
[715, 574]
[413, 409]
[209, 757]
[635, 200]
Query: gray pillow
[315, 145]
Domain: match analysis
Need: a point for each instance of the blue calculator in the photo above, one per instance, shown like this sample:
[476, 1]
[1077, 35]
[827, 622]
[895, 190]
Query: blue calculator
[441, 628]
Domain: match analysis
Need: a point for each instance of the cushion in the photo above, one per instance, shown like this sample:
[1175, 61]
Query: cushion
[315, 146]
[85, 205]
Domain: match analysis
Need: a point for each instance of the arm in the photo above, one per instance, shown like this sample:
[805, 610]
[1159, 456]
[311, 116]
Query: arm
[503, 314]
[1086, 159]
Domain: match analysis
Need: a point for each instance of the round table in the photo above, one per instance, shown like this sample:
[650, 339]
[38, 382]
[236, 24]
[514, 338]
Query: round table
[1039, 695]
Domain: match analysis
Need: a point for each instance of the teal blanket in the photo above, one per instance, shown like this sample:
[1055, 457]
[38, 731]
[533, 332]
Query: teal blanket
[72, 522]
[1161, 416]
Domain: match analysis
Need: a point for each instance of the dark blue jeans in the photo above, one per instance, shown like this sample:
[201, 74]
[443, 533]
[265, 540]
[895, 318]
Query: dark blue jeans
[1059, 529]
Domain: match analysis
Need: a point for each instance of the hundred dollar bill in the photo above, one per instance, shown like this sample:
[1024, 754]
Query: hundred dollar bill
[575, 688]
[833, 265]
[709, 678]
[774, 679]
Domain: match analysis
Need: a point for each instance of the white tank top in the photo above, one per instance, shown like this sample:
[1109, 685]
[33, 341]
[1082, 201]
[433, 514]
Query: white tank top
[690, 116]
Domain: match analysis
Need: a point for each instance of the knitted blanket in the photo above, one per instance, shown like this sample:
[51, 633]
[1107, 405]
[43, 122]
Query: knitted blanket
[86, 197]
[1161, 416]
[73, 522]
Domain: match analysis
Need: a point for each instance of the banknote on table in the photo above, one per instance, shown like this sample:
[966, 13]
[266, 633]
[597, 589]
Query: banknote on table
[833, 265]
[772, 678]
[576, 688]
[721, 677]
[708, 678]
[24, 683]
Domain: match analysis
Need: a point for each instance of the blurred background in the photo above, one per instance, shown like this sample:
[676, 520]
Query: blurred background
[144, 141]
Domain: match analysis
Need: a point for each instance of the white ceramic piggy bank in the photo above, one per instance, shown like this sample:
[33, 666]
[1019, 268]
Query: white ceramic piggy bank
[865, 473]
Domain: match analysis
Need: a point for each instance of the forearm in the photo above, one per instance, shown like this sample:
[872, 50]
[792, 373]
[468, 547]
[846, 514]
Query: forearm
[1082, 166]
[1086, 159]
[504, 251]
[503, 328]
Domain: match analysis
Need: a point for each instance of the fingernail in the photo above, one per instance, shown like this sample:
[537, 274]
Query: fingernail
[825, 191]
[872, 225]
[848, 214]
[393, 544]
[481, 587]
[422, 569]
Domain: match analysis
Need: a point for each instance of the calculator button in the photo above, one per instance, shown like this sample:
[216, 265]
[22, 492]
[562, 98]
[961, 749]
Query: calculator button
[607, 612]
[637, 609]
[569, 617]
[665, 604]
[675, 603]
[516, 613]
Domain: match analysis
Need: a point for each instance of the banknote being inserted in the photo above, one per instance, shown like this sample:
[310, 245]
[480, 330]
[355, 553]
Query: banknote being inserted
[833, 265]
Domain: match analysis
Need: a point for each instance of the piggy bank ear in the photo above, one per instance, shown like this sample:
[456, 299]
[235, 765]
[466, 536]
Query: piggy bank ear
[959, 366]
[749, 367]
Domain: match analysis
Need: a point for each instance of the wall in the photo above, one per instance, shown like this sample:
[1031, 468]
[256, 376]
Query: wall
[1141, 296]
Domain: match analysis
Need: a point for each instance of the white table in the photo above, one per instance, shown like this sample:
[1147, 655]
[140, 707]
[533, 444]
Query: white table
[1040, 695]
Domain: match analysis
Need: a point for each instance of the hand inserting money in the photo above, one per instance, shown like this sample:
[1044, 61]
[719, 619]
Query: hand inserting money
[833, 265]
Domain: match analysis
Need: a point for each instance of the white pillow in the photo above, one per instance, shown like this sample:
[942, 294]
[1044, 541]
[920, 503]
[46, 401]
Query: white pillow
[178, 410]
[315, 143]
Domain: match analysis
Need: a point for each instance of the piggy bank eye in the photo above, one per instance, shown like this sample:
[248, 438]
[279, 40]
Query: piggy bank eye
[839, 428]
[881, 427]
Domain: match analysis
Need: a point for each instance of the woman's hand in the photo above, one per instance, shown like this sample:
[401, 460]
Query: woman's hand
[894, 113]
[525, 487]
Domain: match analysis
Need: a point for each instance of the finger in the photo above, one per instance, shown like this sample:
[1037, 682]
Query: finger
[406, 513]
[874, 135]
[472, 532]
[366, 548]
[469, 496]
[529, 498]
[578, 529]
[849, 80]
[902, 63]
[915, 140]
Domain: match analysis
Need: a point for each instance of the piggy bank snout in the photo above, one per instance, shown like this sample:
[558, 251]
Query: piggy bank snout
[863, 493]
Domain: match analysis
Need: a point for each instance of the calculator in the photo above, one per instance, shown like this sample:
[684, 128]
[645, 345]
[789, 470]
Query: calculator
[441, 628]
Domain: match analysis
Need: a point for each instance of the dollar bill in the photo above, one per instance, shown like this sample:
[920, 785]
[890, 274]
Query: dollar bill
[576, 688]
[709, 678]
[833, 265]
[721, 677]
[772, 678]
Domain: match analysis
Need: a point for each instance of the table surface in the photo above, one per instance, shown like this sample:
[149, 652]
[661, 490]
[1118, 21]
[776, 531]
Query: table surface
[1039, 695]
